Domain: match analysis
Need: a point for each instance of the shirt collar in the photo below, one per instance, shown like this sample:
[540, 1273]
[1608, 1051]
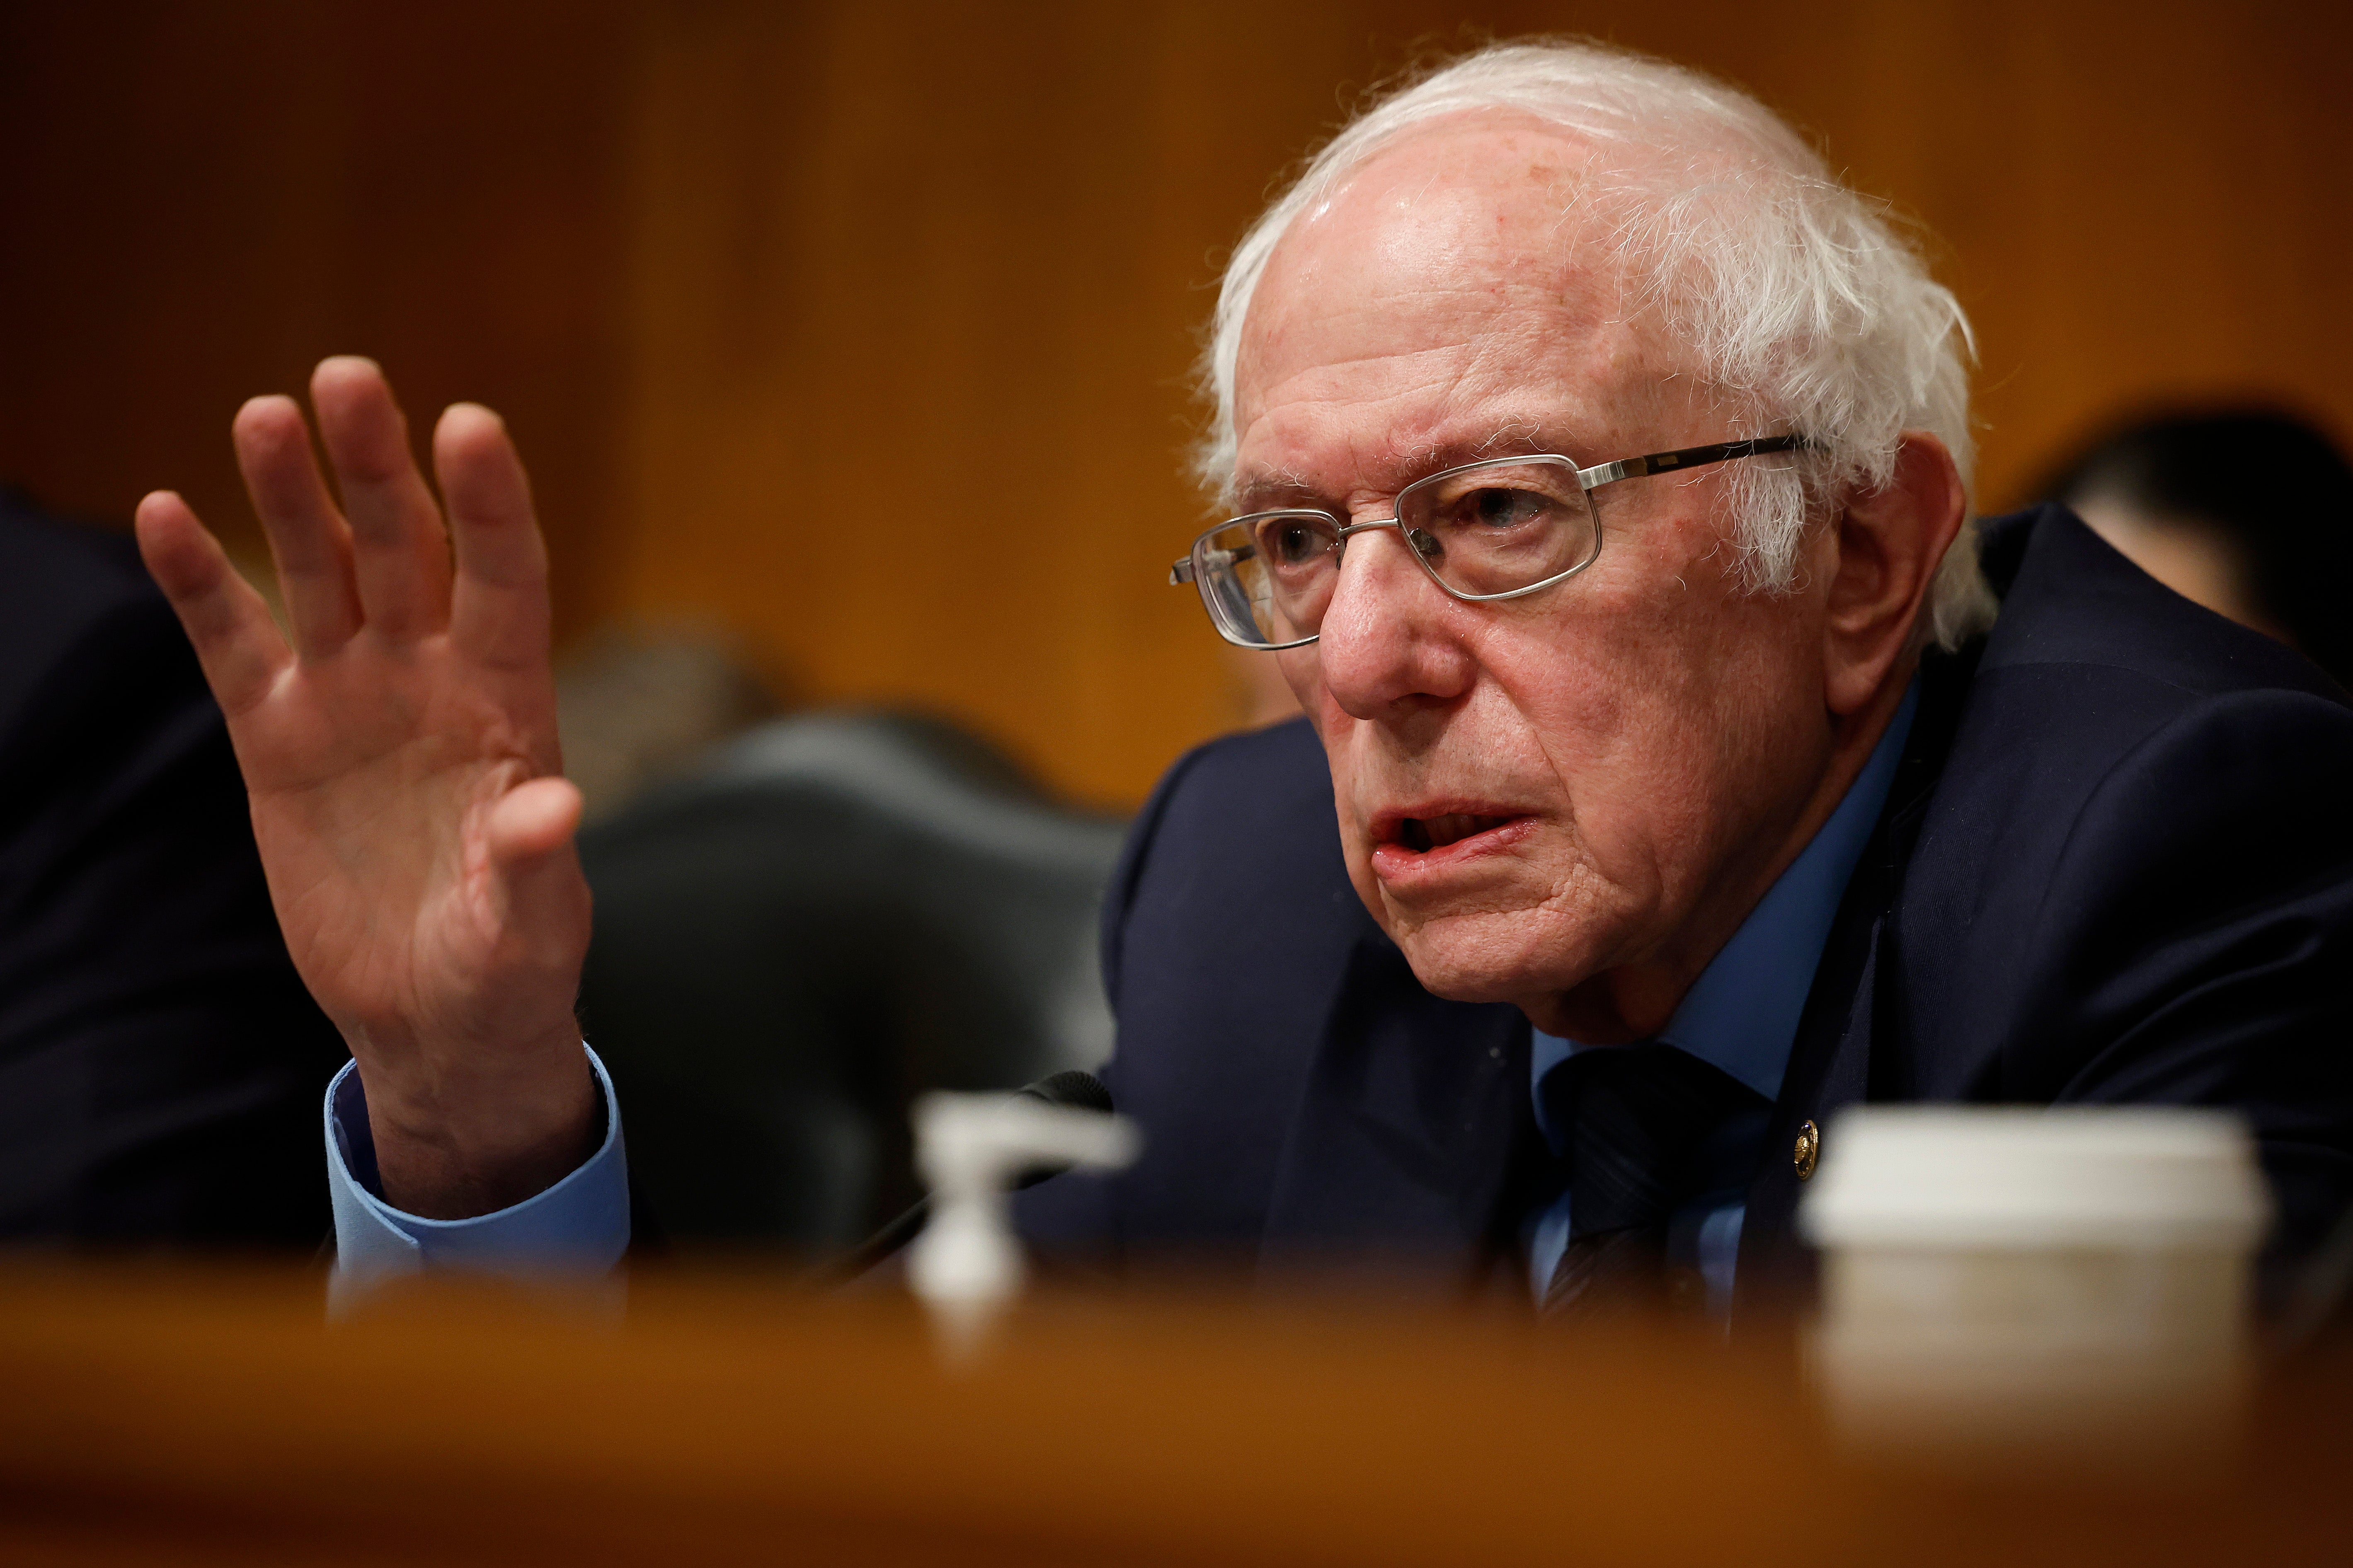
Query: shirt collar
[1741, 1014]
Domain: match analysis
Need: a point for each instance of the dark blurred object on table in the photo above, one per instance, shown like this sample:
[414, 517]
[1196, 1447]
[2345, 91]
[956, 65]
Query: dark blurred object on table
[161, 1063]
[837, 912]
[2248, 512]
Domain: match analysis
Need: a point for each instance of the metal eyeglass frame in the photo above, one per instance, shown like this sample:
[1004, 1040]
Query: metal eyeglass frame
[1194, 568]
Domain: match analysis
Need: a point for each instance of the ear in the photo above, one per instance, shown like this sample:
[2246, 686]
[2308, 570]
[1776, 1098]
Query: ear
[1890, 542]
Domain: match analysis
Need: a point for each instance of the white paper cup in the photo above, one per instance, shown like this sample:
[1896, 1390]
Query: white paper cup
[2029, 1285]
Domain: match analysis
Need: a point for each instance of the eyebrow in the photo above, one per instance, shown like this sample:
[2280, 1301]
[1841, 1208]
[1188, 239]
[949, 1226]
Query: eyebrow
[1283, 488]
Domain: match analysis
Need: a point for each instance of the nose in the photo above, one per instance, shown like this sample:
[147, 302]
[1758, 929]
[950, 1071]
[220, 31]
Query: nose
[1388, 641]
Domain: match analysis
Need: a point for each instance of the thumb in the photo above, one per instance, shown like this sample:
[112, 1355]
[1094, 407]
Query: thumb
[538, 872]
[532, 821]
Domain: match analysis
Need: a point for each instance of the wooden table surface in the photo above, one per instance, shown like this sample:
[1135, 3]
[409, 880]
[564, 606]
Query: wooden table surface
[186, 1415]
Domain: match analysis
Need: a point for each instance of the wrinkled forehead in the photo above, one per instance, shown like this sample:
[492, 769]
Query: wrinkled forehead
[1477, 250]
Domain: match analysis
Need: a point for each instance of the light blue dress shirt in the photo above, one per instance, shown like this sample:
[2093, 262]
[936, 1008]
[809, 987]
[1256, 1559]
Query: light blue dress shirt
[1741, 1014]
[579, 1225]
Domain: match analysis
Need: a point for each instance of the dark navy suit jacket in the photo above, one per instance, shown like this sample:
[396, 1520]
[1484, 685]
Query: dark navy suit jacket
[2116, 864]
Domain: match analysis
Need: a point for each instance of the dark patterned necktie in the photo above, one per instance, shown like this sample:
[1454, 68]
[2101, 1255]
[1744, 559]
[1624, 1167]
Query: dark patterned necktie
[1644, 1134]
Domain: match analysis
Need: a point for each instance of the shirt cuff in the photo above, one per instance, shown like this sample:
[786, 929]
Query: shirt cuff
[579, 1225]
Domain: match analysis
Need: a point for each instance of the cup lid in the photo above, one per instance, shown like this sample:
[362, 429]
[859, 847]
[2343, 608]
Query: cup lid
[1952, 1175]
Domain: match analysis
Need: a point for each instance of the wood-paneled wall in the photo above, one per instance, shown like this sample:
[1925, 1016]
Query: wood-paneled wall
[200, 200]
[864, 328]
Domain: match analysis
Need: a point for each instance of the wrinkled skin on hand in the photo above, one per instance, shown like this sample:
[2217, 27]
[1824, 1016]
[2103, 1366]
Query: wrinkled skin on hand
[402, 761]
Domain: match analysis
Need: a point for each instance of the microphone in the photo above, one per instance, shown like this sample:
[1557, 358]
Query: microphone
[1077, 1091]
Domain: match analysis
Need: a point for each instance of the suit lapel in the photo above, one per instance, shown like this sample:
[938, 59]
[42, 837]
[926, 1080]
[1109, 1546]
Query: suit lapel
[1842, 1055]
[1405, 1140]
[1829, 1069]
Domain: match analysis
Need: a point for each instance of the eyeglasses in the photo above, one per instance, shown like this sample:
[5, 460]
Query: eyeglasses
[1486, 531]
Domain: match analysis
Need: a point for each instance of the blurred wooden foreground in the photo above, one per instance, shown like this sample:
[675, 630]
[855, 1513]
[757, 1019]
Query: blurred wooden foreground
[197, 1416]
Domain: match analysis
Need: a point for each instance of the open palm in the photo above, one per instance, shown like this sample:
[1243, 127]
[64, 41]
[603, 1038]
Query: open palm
[402, 760]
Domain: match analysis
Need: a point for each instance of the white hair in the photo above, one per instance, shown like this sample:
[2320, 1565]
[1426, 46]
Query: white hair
[1795, 296]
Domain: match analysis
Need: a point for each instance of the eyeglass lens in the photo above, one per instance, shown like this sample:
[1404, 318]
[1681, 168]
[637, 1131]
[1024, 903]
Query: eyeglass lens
[1482, 530]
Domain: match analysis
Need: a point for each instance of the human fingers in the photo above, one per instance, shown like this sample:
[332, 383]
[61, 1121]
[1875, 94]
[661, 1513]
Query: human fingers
[235, 641]
[498, 610]
[307, 536]
[532, 821]
[399, 551]
[544, 895]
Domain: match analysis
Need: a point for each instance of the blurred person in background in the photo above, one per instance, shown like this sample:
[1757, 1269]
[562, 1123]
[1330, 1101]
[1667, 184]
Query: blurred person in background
[1681, 762]
[2248, 512]
[160, 1060]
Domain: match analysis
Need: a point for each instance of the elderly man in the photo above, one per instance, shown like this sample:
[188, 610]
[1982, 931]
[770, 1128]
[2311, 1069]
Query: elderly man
[1601, 471]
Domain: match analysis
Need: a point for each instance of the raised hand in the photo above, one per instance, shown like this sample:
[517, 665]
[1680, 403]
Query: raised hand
[404, 776]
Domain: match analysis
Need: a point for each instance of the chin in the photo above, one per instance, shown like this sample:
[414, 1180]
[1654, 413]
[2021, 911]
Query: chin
[1514, 956]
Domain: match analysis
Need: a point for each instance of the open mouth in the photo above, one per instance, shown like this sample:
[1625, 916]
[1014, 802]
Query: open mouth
[1424, 833]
